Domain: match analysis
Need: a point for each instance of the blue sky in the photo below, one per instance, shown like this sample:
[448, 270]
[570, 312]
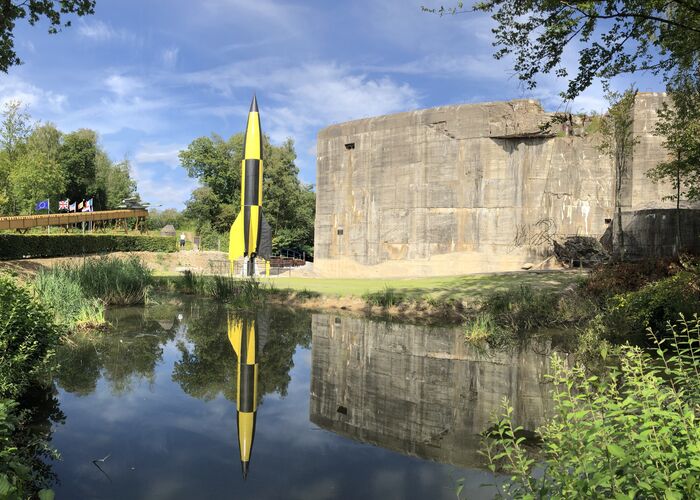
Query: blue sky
[150, 76]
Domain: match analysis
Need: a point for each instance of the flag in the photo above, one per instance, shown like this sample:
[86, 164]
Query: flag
[86, 205]
[90, 205]
[63, 204]
[72, 207]
[80, 205]
[42, 205]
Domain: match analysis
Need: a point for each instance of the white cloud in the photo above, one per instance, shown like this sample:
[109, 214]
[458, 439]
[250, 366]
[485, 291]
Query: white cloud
[110, 115]
[169, 57]
[292, 19]
[123, 85]
[297, 101]
[466, 66]
[13, 88]
[158, 188]
[99, 31]
[152, 152]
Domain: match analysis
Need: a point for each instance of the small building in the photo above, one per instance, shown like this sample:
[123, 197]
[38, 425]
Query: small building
[168, 230]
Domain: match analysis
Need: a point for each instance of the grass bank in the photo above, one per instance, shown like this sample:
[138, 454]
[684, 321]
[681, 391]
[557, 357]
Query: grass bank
[469, 287]
[438, 299]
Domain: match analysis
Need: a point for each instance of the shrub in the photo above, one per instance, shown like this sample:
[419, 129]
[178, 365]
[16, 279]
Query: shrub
[28, 336]
[619, 277]
[654, 304]
[17, 246]
[632, 434]
[521, 309]
[483, 327]
[385, 298]
[18, 479]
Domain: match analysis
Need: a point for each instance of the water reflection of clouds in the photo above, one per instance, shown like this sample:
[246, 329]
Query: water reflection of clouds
[165, 443]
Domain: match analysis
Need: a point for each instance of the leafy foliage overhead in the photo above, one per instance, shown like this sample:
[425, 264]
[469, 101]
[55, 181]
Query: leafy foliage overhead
[612, 37]
[54, 11]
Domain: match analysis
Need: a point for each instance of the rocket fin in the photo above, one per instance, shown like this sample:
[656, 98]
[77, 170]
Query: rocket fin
[265, 246]
[236, 239]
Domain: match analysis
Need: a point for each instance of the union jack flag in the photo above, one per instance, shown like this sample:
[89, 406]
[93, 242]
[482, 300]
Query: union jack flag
[63, 204]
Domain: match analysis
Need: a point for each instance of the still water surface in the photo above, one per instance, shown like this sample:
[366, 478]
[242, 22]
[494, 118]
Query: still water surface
[346, 407]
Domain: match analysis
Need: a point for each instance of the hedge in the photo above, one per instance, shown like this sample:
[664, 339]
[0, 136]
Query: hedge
[23, 246]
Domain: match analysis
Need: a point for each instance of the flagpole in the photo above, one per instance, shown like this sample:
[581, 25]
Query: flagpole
[48, 220]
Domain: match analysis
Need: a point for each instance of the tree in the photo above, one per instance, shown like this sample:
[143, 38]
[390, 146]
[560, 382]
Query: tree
[37, 174]
[113, 182]
[679, 125]
[14, 132]
[618, 142]
[54, 11]
[14, 129]
[288, 204]
[612, 37]
[78, 158]
[203, 206]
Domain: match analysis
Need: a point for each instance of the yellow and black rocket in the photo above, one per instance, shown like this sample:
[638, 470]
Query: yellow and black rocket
[250, 233]
[243, 338]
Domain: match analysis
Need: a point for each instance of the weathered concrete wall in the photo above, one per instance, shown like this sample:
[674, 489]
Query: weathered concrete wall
[467, 188]
[419, 392]
[652, 232]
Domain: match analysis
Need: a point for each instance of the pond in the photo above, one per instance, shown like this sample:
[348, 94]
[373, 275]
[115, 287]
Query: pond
[330, 406]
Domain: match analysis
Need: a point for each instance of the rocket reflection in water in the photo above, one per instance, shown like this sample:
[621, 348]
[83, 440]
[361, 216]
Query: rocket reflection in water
[243, 338]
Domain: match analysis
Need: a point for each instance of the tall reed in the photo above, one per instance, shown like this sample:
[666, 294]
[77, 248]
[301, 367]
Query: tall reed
[68, 300]
[114, 281]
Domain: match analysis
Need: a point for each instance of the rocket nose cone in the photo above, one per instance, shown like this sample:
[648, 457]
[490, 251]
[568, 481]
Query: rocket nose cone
[254, 105]
[244, 468]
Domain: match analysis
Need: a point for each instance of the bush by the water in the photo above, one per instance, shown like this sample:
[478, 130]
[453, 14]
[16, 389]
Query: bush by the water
[28, 336]
[634, 433]
[506, 315]
[653, 305]
[621, 277]
[521, 309]
[18, 246]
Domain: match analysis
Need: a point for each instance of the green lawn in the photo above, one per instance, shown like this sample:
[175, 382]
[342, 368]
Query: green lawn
[475, 285]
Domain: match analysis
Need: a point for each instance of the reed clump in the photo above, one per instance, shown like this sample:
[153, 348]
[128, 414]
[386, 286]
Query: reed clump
[114, 281]
[388, 297]
[68, 301]
[77, 294]
[240, 292]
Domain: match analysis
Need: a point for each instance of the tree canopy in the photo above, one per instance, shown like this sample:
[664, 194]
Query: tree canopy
[612, 37]
[54, 11]
[289, 204]
[38, 161]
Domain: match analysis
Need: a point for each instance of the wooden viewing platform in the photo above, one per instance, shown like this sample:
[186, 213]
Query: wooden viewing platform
[24, 222]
